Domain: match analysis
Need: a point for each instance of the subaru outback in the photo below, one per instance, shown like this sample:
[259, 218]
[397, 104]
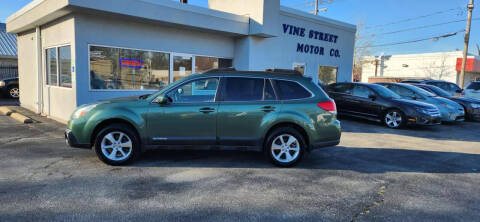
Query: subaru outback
[282, 114]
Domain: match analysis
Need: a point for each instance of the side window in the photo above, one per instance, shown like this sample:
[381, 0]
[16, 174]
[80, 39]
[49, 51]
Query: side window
[291, 90]
[403, 92]
[243, 89]
[201, 90]
[474, 86]
[268, 93]
[341, 88]
[362, 91]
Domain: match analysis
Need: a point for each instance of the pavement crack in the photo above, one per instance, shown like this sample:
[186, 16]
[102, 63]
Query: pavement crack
[379, 200]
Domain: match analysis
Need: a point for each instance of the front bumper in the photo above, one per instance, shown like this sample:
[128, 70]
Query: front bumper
[72, 141]
[425, 120]
[473, 114]
[454, 117]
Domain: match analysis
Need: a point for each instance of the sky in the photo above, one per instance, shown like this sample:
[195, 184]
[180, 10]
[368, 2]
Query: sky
[383, 21]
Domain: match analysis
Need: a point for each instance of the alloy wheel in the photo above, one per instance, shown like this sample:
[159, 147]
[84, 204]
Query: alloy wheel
[116, 146]
[393, 119]
[285, 148]
[14, 92]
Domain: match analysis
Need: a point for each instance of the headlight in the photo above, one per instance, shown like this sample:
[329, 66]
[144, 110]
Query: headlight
[82, 111]
[2, 83]
[475, 105]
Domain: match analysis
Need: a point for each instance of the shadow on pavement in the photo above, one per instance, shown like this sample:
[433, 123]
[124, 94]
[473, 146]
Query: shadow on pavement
[364, 160]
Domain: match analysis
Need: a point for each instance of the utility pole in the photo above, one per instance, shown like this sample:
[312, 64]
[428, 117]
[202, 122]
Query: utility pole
[467, 39]
[316, 7]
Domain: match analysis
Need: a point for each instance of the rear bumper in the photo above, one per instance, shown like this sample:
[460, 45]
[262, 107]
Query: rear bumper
[323, 144]
[72, 141]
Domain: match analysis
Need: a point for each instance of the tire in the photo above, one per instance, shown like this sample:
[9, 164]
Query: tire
[118, 138]
[13, 92]
[394, 119]
[285, 155]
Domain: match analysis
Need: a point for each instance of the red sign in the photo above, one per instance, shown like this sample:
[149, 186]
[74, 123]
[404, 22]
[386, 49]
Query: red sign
[472, 65]
[131, 63]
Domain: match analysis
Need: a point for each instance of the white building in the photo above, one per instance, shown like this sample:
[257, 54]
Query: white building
[441, 65]
[73, 52]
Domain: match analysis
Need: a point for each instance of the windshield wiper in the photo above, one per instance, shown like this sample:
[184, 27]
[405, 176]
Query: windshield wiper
[142, 97]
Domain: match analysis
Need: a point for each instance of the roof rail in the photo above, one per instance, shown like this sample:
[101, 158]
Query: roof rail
[284, 71]
[229, 69]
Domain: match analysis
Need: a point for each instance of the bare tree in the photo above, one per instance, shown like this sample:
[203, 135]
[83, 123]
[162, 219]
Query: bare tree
[438, 69]
[363, 43]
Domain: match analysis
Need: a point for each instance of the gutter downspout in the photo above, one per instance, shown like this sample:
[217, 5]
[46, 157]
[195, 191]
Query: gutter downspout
[38, 36]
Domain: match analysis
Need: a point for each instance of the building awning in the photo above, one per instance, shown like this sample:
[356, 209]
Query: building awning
[472, 65]
[8, 43]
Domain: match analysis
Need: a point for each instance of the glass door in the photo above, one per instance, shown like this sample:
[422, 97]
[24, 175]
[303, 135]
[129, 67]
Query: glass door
[182, 66]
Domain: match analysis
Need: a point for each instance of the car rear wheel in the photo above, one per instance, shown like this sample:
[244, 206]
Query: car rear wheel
[14, 92]
[394, 119]
[117, 144]
[285, 147]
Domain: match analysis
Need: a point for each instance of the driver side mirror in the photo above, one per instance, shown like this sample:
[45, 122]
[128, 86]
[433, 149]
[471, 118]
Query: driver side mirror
[372, 96]
[164, 100]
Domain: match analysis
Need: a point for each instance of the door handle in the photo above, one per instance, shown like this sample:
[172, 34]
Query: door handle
[268, 109]
[207, 110]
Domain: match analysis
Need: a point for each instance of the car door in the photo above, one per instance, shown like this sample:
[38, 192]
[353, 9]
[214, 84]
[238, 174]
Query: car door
[340, 93]
[364, 101]
[247, 105]
[190, 118]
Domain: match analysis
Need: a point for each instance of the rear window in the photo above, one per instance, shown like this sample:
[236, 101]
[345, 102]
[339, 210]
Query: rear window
[340, 88]
[474, 86]
[291, 90]
[243, 89]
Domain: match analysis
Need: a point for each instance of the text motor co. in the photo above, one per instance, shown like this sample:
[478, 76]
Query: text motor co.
[312, 34]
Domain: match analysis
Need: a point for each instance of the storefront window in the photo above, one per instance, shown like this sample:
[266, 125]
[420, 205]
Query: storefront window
[327, 74]
[182, 67]
[65, 63]
[300, 67]
[203, 63]
[51, 66]
[115, 68]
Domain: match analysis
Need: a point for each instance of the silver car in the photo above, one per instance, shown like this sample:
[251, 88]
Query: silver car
[449, 110]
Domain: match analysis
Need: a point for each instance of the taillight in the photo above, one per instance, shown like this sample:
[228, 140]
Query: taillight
[328, 106]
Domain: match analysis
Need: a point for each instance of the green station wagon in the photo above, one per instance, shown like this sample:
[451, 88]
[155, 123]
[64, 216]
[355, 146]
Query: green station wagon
[280, 113]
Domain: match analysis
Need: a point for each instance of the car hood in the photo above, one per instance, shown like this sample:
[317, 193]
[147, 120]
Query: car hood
[124, 99]
[414, 103]
[465, 99]
[447, 101]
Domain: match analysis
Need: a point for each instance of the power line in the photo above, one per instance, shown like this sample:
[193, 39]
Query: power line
[415, 18]
[423, 27]
[417, 40]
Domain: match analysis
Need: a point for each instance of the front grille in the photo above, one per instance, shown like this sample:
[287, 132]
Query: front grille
[433, 112]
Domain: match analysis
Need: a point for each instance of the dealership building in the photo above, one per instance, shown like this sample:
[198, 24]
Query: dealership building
[73, 52]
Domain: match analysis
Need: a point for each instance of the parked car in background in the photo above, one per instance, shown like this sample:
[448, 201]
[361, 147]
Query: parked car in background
[377, 103]
[9, 87]
[471, 106]
[450, 111]
[283, 115]
[473, 90]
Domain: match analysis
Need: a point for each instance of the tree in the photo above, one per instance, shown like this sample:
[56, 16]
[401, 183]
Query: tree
[438, 69]
[363, 43]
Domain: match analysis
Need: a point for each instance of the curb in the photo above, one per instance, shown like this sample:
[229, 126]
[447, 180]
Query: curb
[5, 111]
[21, 118]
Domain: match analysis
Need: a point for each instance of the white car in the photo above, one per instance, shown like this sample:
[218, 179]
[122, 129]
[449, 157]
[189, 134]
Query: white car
[473, 90]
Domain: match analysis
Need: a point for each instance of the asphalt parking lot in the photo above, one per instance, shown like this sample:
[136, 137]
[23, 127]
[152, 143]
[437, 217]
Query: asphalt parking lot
[375, 174]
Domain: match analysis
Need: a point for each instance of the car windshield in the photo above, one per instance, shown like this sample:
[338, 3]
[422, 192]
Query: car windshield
[474, 86]
[421, 91]
[438, 91]
[384, 92]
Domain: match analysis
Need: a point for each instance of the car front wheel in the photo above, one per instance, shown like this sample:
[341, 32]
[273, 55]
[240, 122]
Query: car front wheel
[117, 145]
[394, 119]
[285, 147]
[14, 92]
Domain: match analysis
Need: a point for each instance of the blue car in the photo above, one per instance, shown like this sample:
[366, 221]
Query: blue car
[9, 87]
[449, 110]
